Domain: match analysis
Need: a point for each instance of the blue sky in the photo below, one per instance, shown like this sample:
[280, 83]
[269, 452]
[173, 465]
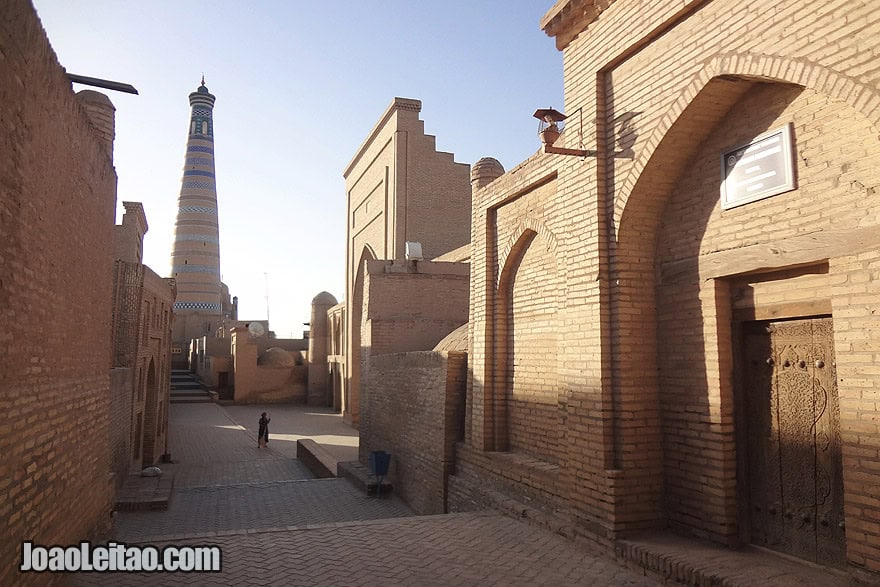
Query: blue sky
[299, 85]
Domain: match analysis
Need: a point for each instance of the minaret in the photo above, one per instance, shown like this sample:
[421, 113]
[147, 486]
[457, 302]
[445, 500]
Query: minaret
[195, 258]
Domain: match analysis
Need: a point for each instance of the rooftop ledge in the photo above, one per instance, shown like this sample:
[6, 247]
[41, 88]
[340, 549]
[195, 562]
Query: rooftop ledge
[569, 18]
[396, 104]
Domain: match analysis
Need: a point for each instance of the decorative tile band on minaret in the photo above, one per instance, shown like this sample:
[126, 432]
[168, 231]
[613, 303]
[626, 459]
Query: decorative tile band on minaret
[195, 258]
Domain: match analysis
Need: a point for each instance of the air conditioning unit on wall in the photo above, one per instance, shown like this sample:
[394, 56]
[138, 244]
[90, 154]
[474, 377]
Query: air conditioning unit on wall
[413, 251]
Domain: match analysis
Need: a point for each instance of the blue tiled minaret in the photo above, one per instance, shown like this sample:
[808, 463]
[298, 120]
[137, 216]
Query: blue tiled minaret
[195, 258]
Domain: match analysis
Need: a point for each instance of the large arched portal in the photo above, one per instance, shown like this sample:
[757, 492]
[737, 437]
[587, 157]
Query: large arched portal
[724, 328]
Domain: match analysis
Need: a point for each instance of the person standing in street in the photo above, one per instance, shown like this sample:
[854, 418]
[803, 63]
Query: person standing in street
[263, 433]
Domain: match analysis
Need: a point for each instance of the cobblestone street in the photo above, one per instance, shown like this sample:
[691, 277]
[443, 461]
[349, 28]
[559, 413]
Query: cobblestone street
[276, 525]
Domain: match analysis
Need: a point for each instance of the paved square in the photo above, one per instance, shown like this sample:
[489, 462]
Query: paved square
[276, 525]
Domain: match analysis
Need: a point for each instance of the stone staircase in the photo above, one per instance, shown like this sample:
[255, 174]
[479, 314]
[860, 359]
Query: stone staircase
[186, 389]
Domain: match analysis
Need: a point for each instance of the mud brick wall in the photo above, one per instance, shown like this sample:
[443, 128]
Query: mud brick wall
[411, 407]
[120, 410]
[57, 207]
[154, 353]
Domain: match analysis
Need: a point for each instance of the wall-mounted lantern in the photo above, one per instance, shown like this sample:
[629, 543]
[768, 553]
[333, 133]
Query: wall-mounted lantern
[549, 129]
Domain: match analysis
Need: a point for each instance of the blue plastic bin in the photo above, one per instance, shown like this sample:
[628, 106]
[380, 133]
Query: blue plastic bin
[379, 462]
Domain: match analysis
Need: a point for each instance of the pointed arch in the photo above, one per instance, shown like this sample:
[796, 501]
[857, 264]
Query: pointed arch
[655, 224]
[524, 400]
[526, 225]
[755, 67]
[355, 355]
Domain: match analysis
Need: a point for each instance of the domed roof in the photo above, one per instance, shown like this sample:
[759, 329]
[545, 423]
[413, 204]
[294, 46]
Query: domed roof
[485, 171]
[202, 89]
[324, 298]
[96, 97]
[490, 164]
[276, 357]
[457, 340]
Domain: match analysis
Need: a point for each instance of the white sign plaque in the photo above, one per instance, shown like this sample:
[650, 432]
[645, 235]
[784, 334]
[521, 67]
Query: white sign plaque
[759, 169]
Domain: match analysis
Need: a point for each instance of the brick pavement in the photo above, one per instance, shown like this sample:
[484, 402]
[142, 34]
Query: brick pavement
[224, 482]
[205, 434]
[198, 510]
[209, 447]
[459, 549]
[293, 422]
[278, 526]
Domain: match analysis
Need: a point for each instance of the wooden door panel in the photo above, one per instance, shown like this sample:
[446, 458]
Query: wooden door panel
[765, 493]
[793, 385]
[795, 480]
[830, 530]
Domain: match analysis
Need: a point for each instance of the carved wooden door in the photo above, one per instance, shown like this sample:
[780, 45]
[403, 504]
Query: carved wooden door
[795, 484]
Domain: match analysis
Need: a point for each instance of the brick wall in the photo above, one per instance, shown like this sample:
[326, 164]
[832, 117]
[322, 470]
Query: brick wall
[400, 187]
[833, 177]
[56, 221]
[646, 257]
[128, 237]
[411, 407]
[496, 230]
[155, 352]
[514, 482]
[412, 306]
[529, 349]
[336, 353]
[120, 410]
[855, 290]
[438, 198]
[273, 382]
[142, 323]
[128, 283]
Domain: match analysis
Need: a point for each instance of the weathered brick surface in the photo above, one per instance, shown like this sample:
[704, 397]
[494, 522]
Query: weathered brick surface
[155, 358]
[142, 317]
[410, 408]
[411, 306]
[120, 411]
[647, 262]
[509, 481]
[57, 206]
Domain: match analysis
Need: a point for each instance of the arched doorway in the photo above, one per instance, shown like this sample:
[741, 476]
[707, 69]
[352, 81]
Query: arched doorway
[702, 292]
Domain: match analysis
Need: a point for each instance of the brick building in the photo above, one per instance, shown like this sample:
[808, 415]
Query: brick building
[414, 379]
[142, 324]
[399, 190]
[660, 339]
[57, 208]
